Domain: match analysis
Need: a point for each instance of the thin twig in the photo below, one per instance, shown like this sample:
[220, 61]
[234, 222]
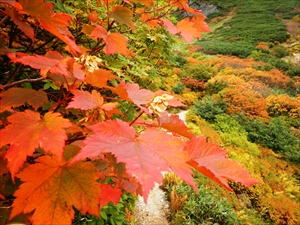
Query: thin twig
[2, 21]
[14, 74]
[22, 81]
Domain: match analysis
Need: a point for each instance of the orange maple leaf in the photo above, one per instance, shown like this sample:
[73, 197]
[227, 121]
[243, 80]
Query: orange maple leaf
[52, 62]
[115, 42]
[187, 30]
[28, 131]
[85, 100]
[51, 187]
[99, 78]
[122, 15]
[56, 23]
[175, 125]
[14, 97]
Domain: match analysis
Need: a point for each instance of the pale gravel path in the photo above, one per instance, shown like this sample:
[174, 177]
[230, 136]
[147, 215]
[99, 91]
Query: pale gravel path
[155, 211]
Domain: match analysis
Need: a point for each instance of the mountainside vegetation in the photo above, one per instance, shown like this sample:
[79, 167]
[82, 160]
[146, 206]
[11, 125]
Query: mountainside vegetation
[243, 89]
[83, 101]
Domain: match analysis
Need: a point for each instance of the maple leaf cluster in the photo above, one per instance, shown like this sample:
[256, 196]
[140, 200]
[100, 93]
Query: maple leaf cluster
[63, 146]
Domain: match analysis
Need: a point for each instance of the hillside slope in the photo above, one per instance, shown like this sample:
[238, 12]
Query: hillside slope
[250, 106]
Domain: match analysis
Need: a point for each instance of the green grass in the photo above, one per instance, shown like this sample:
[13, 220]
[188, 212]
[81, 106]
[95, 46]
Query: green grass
[254, 21]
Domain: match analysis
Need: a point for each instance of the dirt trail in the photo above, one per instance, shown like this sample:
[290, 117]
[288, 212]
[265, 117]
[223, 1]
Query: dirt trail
[155, 211]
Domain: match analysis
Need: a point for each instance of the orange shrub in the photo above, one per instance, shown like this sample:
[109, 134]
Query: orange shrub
[241, 97]
[272, 78]
[262, 45]
[243, 100]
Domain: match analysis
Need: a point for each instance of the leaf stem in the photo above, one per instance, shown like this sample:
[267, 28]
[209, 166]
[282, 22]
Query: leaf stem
[136, 118]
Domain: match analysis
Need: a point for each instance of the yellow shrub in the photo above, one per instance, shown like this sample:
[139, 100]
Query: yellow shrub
[188, 97]
[284, 105]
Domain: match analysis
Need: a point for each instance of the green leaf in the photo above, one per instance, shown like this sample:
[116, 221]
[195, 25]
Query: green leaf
[103, 214]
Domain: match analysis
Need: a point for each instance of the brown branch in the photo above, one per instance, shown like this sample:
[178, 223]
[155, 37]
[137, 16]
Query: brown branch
[21, 82]
[2, 21]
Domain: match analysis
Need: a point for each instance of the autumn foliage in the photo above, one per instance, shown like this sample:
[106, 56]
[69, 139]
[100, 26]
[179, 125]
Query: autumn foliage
[63, 132]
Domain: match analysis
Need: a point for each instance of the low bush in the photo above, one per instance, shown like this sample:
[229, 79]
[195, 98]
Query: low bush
[204, 207]
[215, 87]
[202, 72]
[193, 83]
[275, 135]
[271, 61]
[240, 49]
[233, 134]
[279, 51]
[111, 214]
[179, 60]
[208, 108]
[178, 89]
[294, 71]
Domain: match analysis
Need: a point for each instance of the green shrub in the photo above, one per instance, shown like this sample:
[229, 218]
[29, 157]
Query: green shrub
[202, 72]
[208, 108]
[178, 89]
[226, 124]
[254, 21]
[204, 207]
[178, 60]
[294, 71]
[271, 60]
[215, 87]
[240, 49]
[110, 214]
[233, 134]
[275, 135]
[280, 51]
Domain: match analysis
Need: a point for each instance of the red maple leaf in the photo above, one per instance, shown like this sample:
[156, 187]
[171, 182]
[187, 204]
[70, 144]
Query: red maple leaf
[51, 187]
[14, 97]
[133, 93]
[109, 194]
[115, 42]
[170, 26]
[175, 125]
[145, 156]
[210, 159]
[28, 131]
